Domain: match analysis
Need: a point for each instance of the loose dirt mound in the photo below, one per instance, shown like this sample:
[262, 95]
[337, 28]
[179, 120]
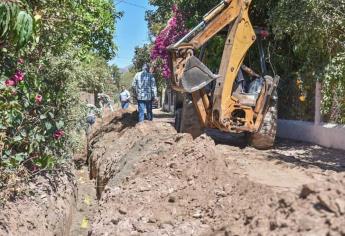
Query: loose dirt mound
[153, 181]
[45, 207]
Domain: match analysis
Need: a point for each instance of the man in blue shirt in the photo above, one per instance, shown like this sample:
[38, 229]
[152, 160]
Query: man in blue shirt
[144, 87]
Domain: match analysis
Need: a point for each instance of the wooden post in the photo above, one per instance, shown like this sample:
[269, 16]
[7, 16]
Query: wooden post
[317, 119]
[163, 99]
[169, 100]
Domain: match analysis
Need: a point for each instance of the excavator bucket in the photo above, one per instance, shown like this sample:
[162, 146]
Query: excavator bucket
[196, 75]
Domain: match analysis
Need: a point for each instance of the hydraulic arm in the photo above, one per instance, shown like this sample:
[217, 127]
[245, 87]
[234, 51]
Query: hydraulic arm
[224, 109]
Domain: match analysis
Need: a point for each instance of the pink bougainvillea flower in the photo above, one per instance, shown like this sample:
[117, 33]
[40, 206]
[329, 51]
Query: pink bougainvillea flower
[38, 99]
[174, 31]
[10, 83]
[58, 134]
[18, 76]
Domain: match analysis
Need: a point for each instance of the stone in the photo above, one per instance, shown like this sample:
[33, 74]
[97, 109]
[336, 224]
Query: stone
[306, 223]
[172, 199]
[122, 211]
[306, 191]
[151, 220]
[221, 193]
[197, 215]
[341, 205]
[115, 221]
[327, 203]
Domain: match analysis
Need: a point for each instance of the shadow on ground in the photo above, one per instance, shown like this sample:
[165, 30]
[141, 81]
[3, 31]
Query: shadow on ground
[163, 116]
[288, 151]
[308, 155]
[237, 140]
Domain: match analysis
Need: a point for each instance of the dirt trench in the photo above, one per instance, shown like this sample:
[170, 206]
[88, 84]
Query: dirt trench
[43, 206]
[146, 179]
[152, 181]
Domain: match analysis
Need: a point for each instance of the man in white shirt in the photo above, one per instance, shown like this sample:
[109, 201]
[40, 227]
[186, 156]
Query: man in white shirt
[124, 98]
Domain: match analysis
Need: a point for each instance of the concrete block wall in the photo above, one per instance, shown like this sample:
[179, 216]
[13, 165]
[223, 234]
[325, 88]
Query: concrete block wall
[326, 135]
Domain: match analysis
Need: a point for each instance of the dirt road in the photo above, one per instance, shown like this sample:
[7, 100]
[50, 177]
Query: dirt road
[152, 181]
[146, 179]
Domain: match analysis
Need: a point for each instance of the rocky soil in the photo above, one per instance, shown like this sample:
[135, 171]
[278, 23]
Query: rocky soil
[152, 181]
[44, 207]
[146, 179]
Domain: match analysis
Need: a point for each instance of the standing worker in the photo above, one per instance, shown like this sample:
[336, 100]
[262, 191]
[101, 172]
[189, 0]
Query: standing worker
[144, 87]
[124, 98]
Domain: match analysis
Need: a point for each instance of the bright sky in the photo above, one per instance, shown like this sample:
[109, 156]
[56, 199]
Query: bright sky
[131, 30]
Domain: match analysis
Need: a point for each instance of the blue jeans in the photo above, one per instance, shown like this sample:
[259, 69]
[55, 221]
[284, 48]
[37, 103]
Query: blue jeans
[141, 107]
[124, 105]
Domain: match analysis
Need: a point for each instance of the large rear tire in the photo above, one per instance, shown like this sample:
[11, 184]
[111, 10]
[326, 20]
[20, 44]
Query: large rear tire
[265, 137]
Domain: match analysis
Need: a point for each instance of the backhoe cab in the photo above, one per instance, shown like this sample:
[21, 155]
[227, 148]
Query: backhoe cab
[236, 99]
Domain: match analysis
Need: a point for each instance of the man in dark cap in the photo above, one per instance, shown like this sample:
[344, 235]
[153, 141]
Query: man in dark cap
[144, 87]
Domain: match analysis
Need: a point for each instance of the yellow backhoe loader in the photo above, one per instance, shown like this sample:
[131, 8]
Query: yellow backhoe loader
[235, 99]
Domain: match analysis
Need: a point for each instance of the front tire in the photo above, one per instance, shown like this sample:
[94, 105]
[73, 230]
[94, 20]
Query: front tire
[265, 137]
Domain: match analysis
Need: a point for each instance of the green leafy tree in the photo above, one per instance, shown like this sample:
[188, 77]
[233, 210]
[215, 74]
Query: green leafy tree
[193, 12]
[95, 74]
[88, 25]
[16, 24]
[116, 76]
[315, 33]
[141, 56]
[127, 78]
[40, 81]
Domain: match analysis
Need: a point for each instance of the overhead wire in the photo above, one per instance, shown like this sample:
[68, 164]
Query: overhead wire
[117, 3]
[132, 4]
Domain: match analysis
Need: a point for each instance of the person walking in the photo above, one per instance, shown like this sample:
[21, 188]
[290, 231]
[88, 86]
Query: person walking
[124, 98]
[145, 90]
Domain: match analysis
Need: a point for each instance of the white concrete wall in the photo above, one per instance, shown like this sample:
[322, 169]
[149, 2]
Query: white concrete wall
[327, 135]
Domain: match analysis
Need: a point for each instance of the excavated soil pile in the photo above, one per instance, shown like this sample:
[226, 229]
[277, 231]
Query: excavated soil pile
[44, 207]
[153, 181]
